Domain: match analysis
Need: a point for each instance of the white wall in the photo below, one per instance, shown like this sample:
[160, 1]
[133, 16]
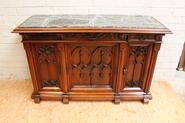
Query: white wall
[13, 64]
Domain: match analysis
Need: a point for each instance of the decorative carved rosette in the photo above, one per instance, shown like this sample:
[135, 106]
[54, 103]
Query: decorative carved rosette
[46, 54]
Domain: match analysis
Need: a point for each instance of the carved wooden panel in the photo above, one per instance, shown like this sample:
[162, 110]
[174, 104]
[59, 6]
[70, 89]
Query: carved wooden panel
[48, 65]
[91, 65]
[136, 65]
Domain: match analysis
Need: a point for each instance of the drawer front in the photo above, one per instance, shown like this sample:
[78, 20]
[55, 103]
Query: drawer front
[73, 37]
[144, 37]
[47, 66]
[92, 66]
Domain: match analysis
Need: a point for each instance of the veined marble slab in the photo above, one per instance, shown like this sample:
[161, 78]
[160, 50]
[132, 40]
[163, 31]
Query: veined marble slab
[92, 21]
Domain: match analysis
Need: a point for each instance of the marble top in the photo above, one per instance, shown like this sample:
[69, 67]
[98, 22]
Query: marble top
[91, 21]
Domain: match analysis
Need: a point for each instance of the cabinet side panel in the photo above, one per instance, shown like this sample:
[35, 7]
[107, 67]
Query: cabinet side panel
[156, 49]
[48, 65]
[32, 66]
[147, 66]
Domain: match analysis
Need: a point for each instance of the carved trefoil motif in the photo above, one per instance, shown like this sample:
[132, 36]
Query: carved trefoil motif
[49, 68]
[46, 54]
[136, 61]
[91, 65]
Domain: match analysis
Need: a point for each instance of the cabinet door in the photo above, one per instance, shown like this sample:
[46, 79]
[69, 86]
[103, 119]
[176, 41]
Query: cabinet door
[92, 66]
[137, 66]
[47, 66]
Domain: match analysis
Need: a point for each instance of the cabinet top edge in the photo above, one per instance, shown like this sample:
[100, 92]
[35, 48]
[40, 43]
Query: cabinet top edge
[91, 30]
[91, 23]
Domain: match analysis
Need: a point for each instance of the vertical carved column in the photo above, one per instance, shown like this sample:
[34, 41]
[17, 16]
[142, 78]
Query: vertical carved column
[121, 66]
[32, 68]
[121, 72]
[148, 96]
[152, 66]
[63, 77]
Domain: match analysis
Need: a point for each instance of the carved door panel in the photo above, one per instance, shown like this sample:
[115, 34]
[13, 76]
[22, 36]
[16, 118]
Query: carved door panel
[48, 66]
[92, 66]
[138, 61]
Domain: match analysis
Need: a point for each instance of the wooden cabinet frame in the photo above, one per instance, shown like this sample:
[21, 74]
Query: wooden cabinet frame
[121, 54]
[91, 57]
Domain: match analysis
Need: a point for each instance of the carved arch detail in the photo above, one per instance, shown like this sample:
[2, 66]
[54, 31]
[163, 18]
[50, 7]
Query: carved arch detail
[91, 65]
[48, 66]
[136, 61]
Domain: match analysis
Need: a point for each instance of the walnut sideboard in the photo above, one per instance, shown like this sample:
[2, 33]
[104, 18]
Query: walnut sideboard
[91, 57]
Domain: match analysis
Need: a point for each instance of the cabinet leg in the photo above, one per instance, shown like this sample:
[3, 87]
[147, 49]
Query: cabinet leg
[37, 100]
[65, 99]
[147, 97]
[145, 101]
[36, 97]
[117, 99]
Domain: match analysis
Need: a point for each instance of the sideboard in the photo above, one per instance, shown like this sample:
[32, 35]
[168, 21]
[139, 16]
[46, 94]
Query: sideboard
[91, 57]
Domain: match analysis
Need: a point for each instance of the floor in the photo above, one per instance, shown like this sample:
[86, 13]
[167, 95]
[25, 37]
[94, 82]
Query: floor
[16, 106]
[178, 84]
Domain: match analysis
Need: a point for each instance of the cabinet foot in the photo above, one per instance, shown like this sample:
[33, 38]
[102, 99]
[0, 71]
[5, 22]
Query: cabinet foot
[145, 101]
[147, 97]
[117, 99]
[36, 97]
[65, 99]
[37, 100]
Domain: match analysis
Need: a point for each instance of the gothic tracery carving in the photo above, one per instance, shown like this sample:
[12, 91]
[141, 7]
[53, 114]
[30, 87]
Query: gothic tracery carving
[47, 60]
[137, 56]
[91, 66]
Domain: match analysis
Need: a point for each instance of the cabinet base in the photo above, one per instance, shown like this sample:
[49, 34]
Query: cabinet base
[76, 96]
